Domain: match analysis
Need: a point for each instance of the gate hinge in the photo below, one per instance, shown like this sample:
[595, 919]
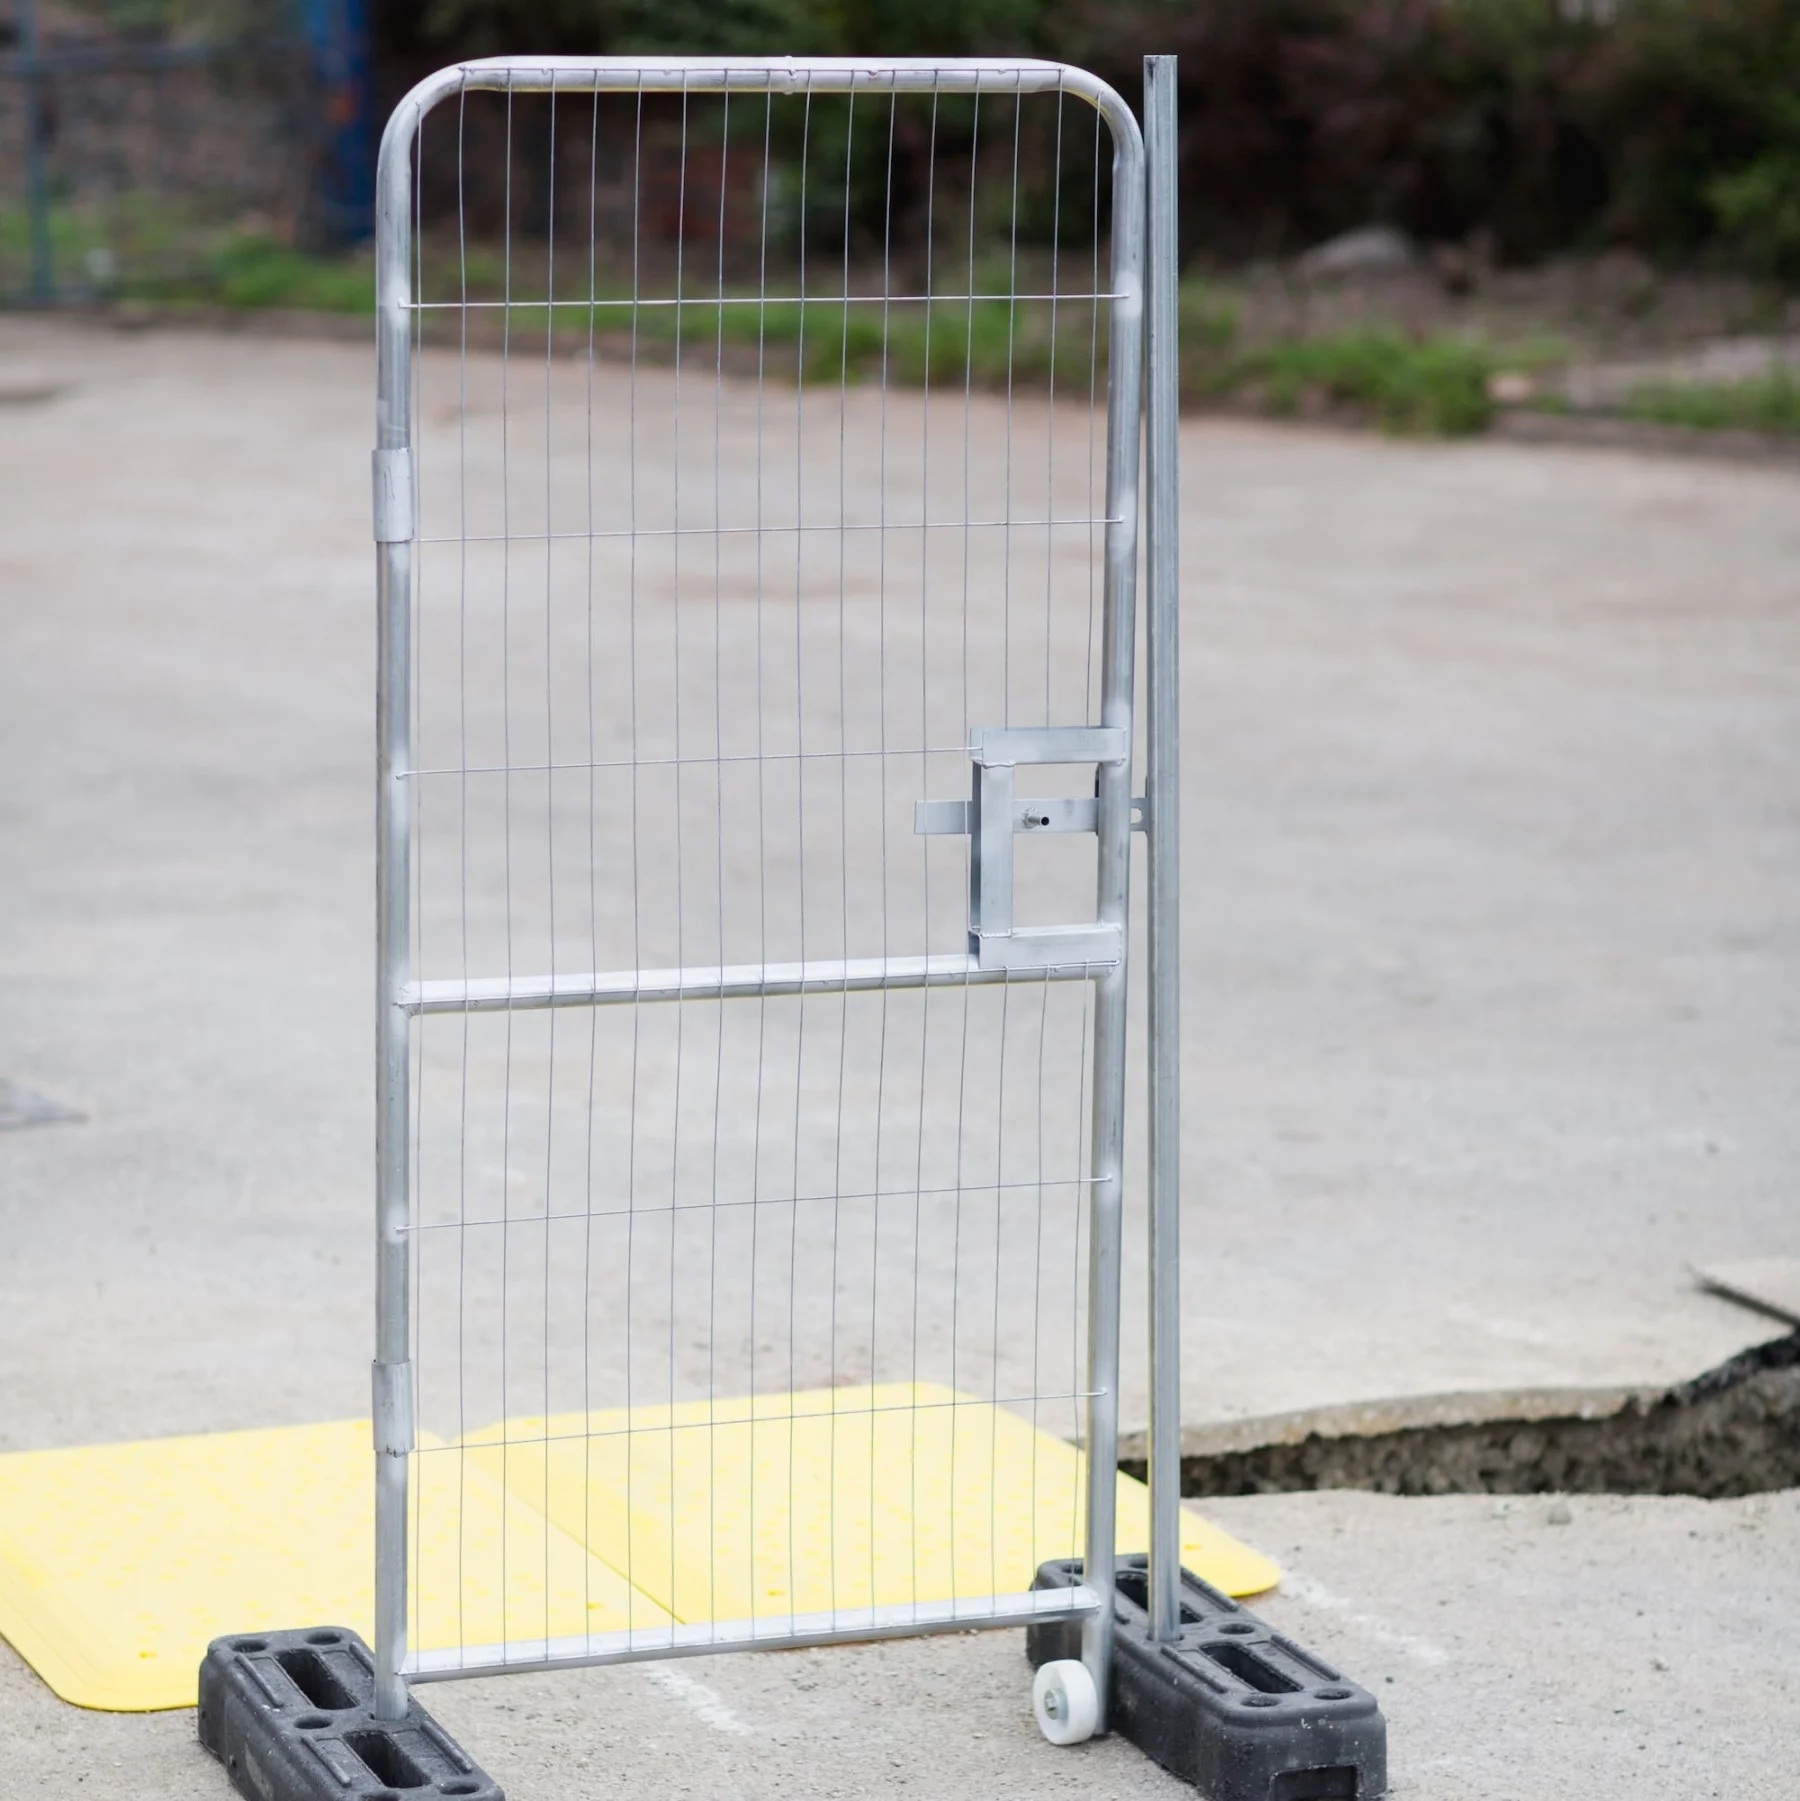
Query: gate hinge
[393, 496]
[393, 1408]
[1140, 812]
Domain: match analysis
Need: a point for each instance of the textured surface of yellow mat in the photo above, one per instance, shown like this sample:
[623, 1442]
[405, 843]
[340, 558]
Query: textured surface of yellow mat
[833, 1498]
[119, 1562]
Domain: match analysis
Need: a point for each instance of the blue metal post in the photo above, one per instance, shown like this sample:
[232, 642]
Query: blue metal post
[37, 180]
[337, 33]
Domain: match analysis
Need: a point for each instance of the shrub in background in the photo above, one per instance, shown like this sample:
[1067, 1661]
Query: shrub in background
[1539, 126]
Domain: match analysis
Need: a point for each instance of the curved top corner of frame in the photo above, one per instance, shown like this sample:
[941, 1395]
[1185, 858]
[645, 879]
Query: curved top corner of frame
[779, 74]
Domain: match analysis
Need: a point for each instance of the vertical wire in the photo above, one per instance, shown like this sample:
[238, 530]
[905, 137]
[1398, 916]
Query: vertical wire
[881, 764]
[712, 1261]
[924, 781]
[1037, 1258]
[1085, 1147]
[967, 727]
[1094, 550]
[1050, 411]
[506, 827]
[800, 798]
[762, 859]
[637, 929]
[993, 1418]
[1012, 319]
[680, 834]
[837, 1172]
[462, 761]
[1077, 1375]
[593, 850]
[1037, 1277]
[549, 804]
[1006, 988]
[1085, 1142]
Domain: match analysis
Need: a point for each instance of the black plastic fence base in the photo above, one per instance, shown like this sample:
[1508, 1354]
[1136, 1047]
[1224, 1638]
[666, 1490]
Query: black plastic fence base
[1236, 1709]
[291, 1717]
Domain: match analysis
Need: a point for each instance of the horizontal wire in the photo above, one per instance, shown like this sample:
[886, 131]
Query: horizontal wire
[768, 1200]
[633, 533]
[764, 756]
[594, 303]
[464, 1446]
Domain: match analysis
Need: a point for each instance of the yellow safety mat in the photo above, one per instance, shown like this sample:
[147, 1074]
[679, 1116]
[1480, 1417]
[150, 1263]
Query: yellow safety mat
[834, 1498]
[118, 1563]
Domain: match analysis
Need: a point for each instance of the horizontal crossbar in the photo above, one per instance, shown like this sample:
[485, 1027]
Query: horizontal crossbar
[737, 981]
[803, 76]
[843, 1625]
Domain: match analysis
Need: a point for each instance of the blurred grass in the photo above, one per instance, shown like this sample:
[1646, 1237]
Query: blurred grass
[986, 344]
[1436, 385]
[1769, 403]
[1433, 385]
[256, 271]
[140, 246]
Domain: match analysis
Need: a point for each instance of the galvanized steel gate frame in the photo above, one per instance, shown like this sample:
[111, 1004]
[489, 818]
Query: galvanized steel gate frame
[1141, 405]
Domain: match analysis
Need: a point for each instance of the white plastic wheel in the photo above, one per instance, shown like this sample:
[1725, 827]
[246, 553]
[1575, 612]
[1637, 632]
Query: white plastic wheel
[1063, 1698]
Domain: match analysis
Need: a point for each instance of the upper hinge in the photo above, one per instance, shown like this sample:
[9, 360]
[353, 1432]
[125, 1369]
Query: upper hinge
[393, 496]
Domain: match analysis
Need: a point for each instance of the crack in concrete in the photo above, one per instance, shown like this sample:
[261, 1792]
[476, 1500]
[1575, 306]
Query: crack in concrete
[1733, 1431]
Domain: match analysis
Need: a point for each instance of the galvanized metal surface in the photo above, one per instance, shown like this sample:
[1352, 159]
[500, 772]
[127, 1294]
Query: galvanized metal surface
[1162, 786]
[669, 731]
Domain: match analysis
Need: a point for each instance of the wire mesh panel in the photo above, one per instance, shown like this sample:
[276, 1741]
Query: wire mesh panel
[756, 493]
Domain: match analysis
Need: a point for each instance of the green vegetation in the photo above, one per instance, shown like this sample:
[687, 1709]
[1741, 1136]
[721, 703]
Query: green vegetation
[256, 271]
[139, 246]
[949, 344]
[985, 343]
[1544, 126]
[1769, 403]
[1535, 127]
[1439, 385]
[1432, 385]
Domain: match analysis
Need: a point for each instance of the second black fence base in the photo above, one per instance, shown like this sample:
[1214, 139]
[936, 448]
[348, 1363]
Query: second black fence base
[1232, 1706]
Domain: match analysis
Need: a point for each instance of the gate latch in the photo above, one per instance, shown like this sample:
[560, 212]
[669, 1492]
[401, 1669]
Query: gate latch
[992, 816]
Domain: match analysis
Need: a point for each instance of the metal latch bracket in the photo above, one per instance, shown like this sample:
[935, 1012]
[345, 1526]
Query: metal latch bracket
[991, 818]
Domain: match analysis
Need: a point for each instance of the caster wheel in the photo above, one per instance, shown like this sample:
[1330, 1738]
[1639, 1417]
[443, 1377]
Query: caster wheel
[1063, 1698]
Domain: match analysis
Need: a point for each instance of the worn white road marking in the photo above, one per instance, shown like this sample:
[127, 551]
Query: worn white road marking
[1315, 1594]
[703, 1702]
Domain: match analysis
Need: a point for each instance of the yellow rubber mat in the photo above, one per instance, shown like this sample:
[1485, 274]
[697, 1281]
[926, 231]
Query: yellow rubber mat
[834, 1498]
[118, 1563]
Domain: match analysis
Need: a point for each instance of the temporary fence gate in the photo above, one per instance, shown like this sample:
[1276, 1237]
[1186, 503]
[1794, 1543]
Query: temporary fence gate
[757, 500]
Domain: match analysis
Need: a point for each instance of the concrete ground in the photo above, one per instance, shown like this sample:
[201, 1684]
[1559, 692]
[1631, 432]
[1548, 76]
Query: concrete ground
[1490, 1034]
[1644, 1647]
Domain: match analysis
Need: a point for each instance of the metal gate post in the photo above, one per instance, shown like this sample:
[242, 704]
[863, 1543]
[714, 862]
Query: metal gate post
[1113, 789]
[1162, 778]
[394, 530]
